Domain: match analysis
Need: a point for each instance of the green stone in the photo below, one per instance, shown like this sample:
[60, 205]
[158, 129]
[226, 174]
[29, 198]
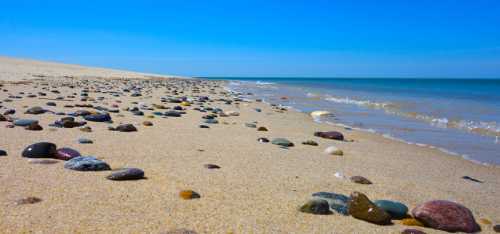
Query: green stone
[396, 209]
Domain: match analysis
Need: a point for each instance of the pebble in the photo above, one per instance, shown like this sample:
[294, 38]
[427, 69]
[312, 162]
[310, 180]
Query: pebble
[2, 118]
[203, 126]
[337, 202]
[263, 140]
[309, 142]
[86, 163]
[471, 179]
[40, 150]
[24, 122]
[180, 231]
[147, 123]
[282, 142]
[211, 121]
[103, 117]
[126, 128]
[189, 194]
[446, 215]
[28, 200]
[397, 210]
[361, 207]
[172, 114]
[86, 129]
[496, 228]
[316, 206]
[412, 231]
[262, 129]
[3, 153]
[332, 150]
[34, 127]
[330, 135]
[66, 154]
[85, 141]
[35, 110]
[250, 125]
[127, 174]
[211, 166]
[360, 180]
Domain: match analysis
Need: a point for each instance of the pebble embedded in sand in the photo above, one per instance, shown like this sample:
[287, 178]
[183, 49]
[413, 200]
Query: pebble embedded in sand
[361, 207]
[317, 114]
[333, 135]
[147, 123]
[189, 194]
[66, 154]
[42, 161]
[411, 222]
[35, 110]
[34, 127]
[262, 129]
[397, 210]
[316, 206]
[125, 128]
[282, 142]
[180, 231]
[85, 141]
[211, 166]
[86, 163]
[337, 202]
[3, 153]
[332, 150]
[28, 200]
[24, 122]
[310, 142]
[360, 180]
[127, 174]
[263, 140]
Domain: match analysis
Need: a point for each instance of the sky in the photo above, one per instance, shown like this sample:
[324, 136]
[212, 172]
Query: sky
[292, 38]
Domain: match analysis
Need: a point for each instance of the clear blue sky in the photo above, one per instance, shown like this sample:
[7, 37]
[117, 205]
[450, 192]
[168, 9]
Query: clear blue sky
[399, 38]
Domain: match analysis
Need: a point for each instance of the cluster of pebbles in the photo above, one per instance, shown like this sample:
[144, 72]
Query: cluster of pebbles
[99, 101]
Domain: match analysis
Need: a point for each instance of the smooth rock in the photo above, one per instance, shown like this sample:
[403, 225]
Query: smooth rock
[66, 154]
[86, 163]
[411, 222]
[337, 202]
[332, 150]
[189, 194]
[262, 129]
[172, 114]
[496, 228]
[282, 142]
[181, 231]
[127, 174]
[104, 117]
[211, 166]
[85, 141]
[126, 128]
[24, 122]
[34, 127]
[147, 123]
[40, 150]
[318, 114]
[360, 180]
[3, 153]
[361, 207]
[28, 200]
[250, 125]
[35, 110]
[316, 206]
[446, 215]
[263, 140]
[330, 135]
[309, 142]
[42, 161]
[397, 210]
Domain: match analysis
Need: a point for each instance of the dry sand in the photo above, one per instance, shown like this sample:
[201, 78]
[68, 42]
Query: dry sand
[257, 190]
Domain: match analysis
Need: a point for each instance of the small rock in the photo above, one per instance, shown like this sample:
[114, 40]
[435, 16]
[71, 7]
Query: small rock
[263, 140]
[250, 125]
[85, 141]
[332, 150]
[397, 210]
[330, 135]
[316, 206]
[28, 200]
[147, 123]
[180, 231]
[211, 166]
[189, 194]
[66, 154]
[104, 117]
[496, 228]
[262, 129]
[360, 180]
[309, 142]
[88, 163]
[446, 215]
[471, 179]
[337, 202]
[3, 153]
[282, 142]
[361, 207]
[34, 127]
[203, 126]
[127, 174]
[40, 150]
[86, 129]
[485, 221]
[24, 122]
[35, 110]
[126, 128]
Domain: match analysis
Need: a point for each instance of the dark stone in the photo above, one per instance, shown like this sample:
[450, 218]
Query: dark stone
[309, 142]
[28, 200]
[262, 129]
[83, 163]
[203, 126]
[24, 122]
[40, 150]
[263, 140]
[51, 104]
[282, 142]
[3, 153]
[446, 215]
[66, 154]
[211, 166]
[98, 117]
[337, 202]
[34, 127]
[330, 135]
[35, 110]
[85, 141]
[172, 114]
[127, 174]
[316, 206]
[126, 128]
[360, 180]
[42, 161]
[471, 179]
[2, 118]
[361, 207]
[496, 228]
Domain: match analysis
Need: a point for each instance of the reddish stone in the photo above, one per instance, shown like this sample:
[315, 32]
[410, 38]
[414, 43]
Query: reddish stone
[66, 154]
[446, 215]
[330, 135]
[412, 231]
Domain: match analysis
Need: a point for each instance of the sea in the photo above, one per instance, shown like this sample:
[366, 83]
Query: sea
[458, 116]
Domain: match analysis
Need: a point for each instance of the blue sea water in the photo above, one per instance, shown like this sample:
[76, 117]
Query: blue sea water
[460, 116]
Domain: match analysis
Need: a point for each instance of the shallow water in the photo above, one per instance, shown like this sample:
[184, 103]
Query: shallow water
[460, 116]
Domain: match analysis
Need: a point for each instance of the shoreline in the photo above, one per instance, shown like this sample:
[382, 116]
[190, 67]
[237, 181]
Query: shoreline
[258, 187]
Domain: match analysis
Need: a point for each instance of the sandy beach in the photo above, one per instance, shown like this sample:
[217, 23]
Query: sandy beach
[258, 188]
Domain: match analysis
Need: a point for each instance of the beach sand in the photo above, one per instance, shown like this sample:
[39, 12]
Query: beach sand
[258, 188]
